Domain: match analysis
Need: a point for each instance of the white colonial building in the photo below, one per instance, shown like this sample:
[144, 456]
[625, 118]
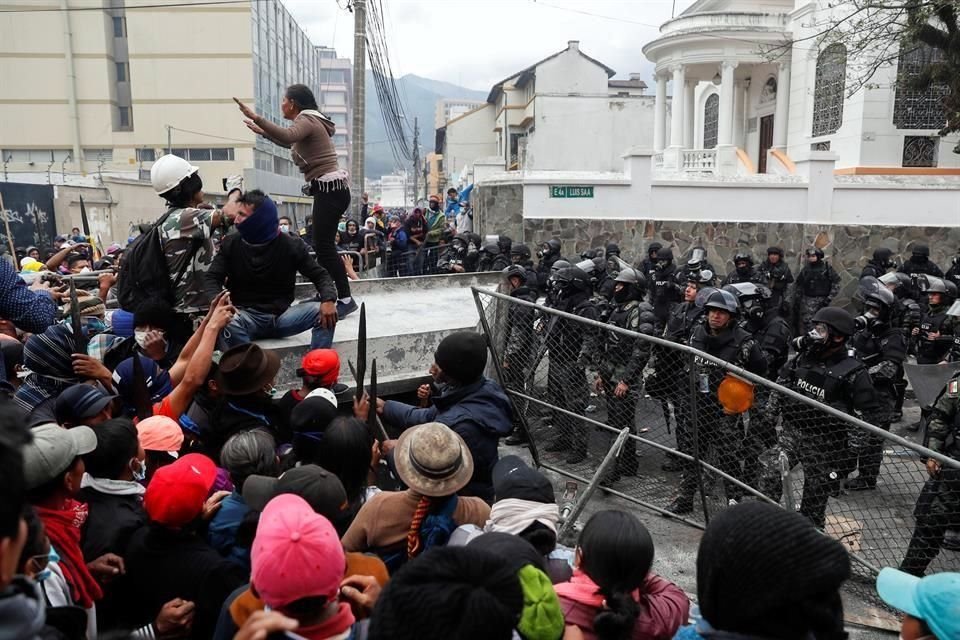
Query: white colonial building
[755, 91]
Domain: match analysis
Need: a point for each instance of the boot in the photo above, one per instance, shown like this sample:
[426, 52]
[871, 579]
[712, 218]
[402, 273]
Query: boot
[861, 483]
[681, 506]
[516, 437]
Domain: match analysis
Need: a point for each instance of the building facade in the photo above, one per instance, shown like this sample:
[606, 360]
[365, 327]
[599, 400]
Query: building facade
[563, 113]
[125, 84]
[450, 108]
[754, 91]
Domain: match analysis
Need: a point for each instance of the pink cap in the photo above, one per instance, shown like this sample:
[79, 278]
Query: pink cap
[160, 433]
[296, 553]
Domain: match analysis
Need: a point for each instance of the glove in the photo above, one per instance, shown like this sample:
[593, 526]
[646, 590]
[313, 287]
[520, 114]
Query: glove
[801, 343]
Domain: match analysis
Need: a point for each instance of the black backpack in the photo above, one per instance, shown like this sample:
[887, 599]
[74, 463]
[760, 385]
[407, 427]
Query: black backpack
[145, 274]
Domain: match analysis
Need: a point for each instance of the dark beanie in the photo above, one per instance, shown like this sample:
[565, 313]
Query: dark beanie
[449, 592]
[462, 356]
[763, 570]
[514, 550]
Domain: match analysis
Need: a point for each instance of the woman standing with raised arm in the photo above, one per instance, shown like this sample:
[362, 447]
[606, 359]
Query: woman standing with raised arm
[310, 140]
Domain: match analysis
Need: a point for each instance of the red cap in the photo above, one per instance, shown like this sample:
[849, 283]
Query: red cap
[176, 493]
[323, 364]
[296, 553]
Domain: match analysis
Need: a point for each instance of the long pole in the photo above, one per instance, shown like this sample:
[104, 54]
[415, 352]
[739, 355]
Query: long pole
[6, 225]
[359, 99]
[416, 155]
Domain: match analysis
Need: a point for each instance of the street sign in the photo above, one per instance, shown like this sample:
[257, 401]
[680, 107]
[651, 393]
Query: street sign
[571, 191]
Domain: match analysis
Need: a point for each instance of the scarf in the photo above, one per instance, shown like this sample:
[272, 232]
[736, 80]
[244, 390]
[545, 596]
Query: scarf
[584, 590]
[63, 529]
[514, 516]
[332, 627]
[112, 487]
[48, 357]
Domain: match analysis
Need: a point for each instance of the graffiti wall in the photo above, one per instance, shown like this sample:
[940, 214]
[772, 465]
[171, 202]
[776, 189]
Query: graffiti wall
[28, 214]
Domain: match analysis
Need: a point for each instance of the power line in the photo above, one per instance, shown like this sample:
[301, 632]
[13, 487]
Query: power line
[208, 135]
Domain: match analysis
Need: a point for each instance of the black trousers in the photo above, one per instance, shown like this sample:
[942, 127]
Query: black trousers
[328, 208]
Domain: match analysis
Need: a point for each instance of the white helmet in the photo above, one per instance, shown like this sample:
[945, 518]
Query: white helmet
[169, 171]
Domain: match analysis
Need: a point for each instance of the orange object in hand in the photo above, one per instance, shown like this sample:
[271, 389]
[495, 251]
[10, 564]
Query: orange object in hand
[735, 395]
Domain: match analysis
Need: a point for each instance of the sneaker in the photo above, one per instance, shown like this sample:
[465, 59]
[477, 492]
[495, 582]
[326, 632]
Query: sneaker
[346, 308]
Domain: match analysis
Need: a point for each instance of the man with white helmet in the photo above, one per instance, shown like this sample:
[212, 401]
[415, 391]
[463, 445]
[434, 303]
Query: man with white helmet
[187, 227]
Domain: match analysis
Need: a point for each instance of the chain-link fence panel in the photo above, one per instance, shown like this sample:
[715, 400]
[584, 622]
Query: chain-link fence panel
[706, 433]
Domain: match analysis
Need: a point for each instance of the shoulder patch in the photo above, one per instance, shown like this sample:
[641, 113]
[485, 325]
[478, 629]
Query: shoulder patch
[953, 388]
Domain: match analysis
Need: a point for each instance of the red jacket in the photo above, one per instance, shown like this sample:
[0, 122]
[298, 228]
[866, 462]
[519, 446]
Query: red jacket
[664, 607]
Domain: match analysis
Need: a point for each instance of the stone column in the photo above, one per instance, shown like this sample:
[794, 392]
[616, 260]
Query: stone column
[676, 115]
[689, 114]
[660, 114]
[782, 114]
[725, 125]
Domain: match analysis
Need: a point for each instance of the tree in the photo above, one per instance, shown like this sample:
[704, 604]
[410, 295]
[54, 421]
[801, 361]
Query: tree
[879, 34]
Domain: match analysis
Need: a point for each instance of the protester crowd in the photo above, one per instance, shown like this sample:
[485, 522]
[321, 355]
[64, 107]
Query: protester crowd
[153, 484]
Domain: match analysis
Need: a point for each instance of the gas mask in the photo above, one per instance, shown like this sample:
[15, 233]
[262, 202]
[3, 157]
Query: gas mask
[752, 309]
[139, 470]
[623, 294]
[818, 338]
[662, 264]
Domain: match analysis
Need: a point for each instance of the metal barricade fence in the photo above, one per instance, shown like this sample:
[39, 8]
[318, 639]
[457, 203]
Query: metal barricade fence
[688, 457]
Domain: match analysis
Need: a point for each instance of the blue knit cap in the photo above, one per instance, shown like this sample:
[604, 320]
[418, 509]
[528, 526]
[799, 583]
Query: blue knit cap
[122, 323]
[263, 225]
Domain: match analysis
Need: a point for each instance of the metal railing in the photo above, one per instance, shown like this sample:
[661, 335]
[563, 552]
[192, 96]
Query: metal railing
[687, 457]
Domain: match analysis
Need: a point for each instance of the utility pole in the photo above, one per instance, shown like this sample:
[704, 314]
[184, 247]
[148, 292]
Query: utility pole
[416, 155]
[359, 99]
[169, 139]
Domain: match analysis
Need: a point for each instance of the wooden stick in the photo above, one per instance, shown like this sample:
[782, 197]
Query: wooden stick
[6, 224]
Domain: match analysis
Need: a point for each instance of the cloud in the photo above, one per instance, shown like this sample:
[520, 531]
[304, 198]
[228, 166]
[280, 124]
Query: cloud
[475, 43]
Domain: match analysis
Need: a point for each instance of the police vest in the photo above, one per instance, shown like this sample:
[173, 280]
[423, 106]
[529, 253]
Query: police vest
[728, 350]
[933, 323]
[774, 338]
[817, 282]
[822, 381]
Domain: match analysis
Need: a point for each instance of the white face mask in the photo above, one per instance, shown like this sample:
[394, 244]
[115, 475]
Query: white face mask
[85, 270]
[139, 471]
[284, 228]
[141, 338]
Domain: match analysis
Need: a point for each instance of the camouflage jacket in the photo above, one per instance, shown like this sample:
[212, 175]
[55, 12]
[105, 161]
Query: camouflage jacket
[187, 245]
[944, 426]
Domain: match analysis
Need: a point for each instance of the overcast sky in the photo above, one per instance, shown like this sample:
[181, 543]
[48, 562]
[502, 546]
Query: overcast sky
[476, 43]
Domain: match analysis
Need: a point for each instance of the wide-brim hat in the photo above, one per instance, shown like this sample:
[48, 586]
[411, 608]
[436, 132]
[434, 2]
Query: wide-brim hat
[433, 460]
[246, 368]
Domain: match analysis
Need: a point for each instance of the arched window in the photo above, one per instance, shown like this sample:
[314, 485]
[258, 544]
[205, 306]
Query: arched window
[828, 91]
[915, 108]
[711, 120]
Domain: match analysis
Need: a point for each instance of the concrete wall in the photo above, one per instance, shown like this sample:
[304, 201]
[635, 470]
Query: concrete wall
[469, 137]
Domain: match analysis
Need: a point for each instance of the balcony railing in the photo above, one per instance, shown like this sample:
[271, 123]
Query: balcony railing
[727, 20]
[698, 160]
[658, 160]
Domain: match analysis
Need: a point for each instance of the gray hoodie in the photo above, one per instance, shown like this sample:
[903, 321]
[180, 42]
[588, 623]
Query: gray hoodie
[21, 610]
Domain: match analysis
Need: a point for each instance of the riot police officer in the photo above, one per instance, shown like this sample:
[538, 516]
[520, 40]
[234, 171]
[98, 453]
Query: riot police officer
[518, 340]
[648, 264]
[743, 269]
[603, 281]
[548, 253]
[882, 348]
[594, 270]
[774, 274]
[622, 359]
[761, 320]
[696, 263]
[936, 334]
[666, 381]
[664, 290]
[953, 273]
[571, 345]
[920, 263]
[720, 336]
[551, 282]
[938, 507]
[881, 263]
[822, 371]
[491, 258]
[457, 257]
[520, 255]
[817, 285]
[611, 253]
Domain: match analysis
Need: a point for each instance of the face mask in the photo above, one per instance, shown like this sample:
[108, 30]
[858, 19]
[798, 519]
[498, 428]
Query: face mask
[52, 556]
[284, 228]
[623, 295]
[140, 471]
[85, 270]
[434, 206]
[141, 338]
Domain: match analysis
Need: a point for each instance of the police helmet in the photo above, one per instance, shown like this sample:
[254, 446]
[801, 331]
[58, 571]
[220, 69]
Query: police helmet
[837, 319]
[776, 250]
[743, 256]
[572, 279]
[613, 249]
[491, 247]
[934, 285]
[890, 279]
[744, 290]
[815, 251]
[599, 266]
[701, 278]
[521, 251]
[654, 248]
[882, 298]
[631, 276]
[459, 241]
[723, 300]
[882, 256]
[951, 290]
[921, 250]
[588, 254]
[664, 254]
[505, 243]
[558, 265]
[515, 271]
[551, 247]
[586, 266]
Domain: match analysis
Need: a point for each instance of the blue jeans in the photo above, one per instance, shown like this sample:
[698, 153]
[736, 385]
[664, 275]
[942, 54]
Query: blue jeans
[249, 325]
